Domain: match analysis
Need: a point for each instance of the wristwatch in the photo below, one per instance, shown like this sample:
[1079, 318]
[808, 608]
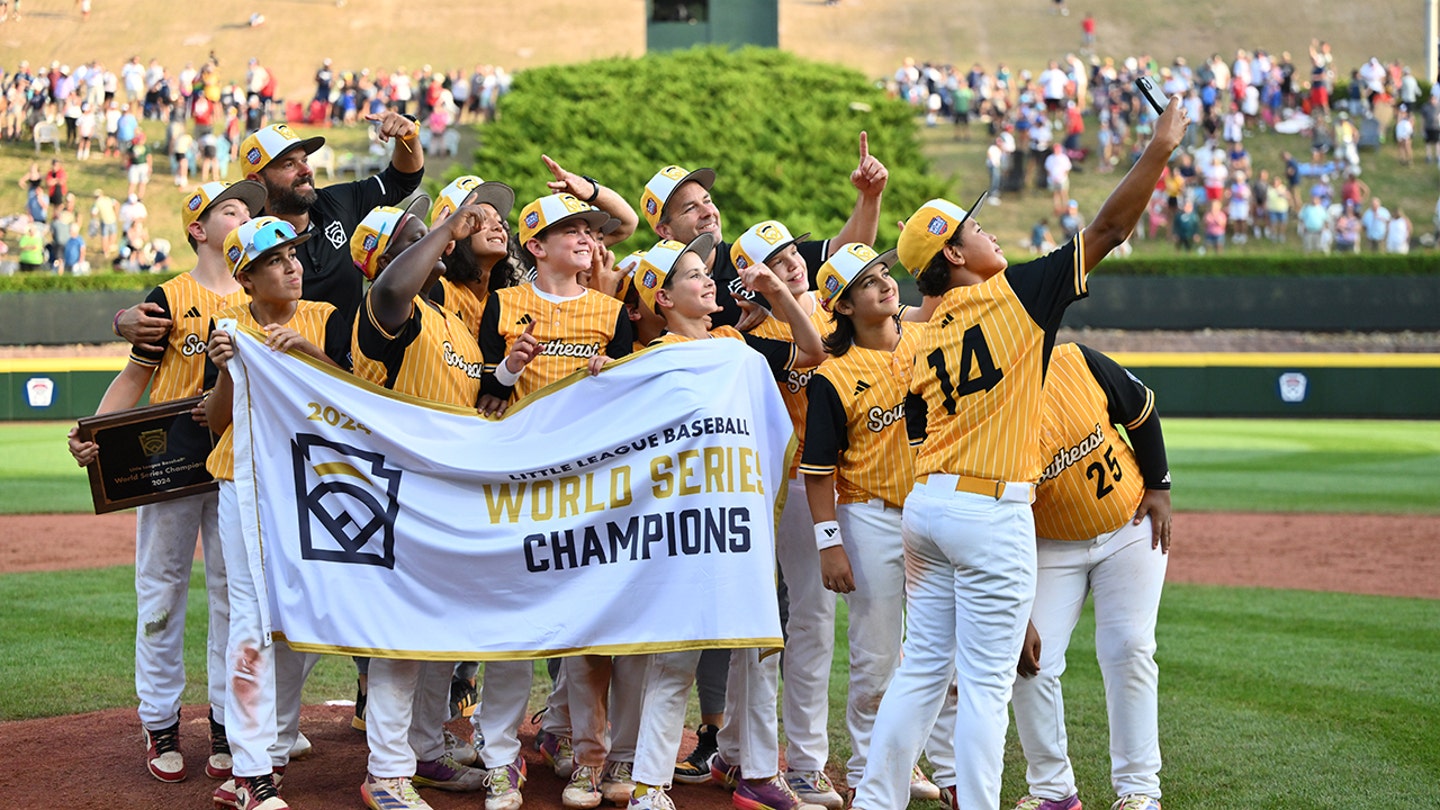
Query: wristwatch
[594, 188]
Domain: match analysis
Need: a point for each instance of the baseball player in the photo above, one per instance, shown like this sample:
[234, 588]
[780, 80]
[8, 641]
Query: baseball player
[262, 701]
[532, 335]
[672, 281]
[1102, 513]
[810, 618]
[969, 535]
[165, 532]
[858, 469]
[411, 345]
[481, 262]
[677, 205]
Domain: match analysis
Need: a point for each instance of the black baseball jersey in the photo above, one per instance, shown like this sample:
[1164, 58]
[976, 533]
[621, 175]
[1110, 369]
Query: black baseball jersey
[727, 279]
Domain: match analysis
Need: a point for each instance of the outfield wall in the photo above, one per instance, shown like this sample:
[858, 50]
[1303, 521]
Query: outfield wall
[1186, 384]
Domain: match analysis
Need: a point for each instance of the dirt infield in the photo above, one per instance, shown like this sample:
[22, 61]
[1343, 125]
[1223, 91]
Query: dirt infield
[1383, 555]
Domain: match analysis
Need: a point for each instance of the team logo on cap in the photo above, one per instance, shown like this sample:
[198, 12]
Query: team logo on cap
[832, 285]
[195, 201]
[283, 130]
[741, 262]
[532, 219]
[861, 251]
[253, 155]
[649, 279]
[939, 225]
[233, 254]
[468, 183]
[673, 172]
[370, 241]
[650, 206]
[770, 233]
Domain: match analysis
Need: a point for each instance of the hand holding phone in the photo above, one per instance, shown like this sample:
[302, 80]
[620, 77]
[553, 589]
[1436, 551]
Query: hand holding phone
[1151, 92]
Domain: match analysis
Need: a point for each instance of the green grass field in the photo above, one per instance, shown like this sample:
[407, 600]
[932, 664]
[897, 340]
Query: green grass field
[1218, 464]
[1268, 698]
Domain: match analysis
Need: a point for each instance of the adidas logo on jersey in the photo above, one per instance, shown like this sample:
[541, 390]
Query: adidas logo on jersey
[947, 320]
[525, 320]
[861, 387]
[192, 312]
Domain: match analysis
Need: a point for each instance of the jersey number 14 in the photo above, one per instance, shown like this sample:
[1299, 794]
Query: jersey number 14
[978, 371]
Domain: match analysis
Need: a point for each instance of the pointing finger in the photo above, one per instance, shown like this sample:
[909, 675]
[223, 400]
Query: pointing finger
[864, 145]
[553, 167]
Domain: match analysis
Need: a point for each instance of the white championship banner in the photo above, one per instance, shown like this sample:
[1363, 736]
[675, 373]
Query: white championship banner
[631, 512]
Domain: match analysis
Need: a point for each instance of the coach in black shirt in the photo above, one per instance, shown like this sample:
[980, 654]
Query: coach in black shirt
[278, 158]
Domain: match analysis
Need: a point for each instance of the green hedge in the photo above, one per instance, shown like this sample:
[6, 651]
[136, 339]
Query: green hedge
[47, 282]
[1289, 264]
[781, 132]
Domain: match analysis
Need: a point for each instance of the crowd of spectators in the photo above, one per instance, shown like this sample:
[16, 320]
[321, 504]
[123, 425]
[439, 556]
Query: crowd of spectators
[1085, 115]
[206, 111]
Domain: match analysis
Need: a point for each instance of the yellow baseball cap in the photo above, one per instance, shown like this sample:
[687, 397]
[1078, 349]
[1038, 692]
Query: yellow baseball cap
[554, 209]
[664, 183]
[266, 144]
[760, 242]
[470, 188]
[257, 237]
[928, 229]
[372, 236]
[199, 201]
[838, 271]
[659, 260]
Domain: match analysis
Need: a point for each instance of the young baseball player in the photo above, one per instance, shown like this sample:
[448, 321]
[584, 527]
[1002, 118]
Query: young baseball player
[1102, 513]
[165, 532]
[532, 335]
[858, 469]
[672, 280]
[481, 262]
[411, 345]
[810, 618]
[262, 699]
[968, 530]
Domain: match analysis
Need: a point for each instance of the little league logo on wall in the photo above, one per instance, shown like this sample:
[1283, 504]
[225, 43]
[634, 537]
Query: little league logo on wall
[346, 502]
[39, 392]
[1292, 386]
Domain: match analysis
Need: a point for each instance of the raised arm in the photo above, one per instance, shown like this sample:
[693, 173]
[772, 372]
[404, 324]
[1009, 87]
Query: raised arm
[602, 197]
[1121, 211]
[869, 178]
[809, 349]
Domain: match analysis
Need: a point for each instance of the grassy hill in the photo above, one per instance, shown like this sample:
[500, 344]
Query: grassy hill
[870, 35]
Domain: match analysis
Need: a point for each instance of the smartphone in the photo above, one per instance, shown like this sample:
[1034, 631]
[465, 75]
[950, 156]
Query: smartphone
[1147, 88]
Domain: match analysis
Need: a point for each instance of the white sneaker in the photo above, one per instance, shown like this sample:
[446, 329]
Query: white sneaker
[653, 799]
[583, 791]
[617, 783]
[391, 794]
[921, 787]
[502, 786]
[460, 750]
[302, 747]
[814, 787]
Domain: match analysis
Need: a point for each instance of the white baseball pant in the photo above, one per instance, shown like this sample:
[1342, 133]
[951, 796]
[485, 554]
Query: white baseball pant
[870, 532]
[255, 700]
[1126, 576]
[164, 555]
[970, 581]
[406, 706]
[504, 697]
[809, 637]
[605, 694]
[750, 737]
[668, 677]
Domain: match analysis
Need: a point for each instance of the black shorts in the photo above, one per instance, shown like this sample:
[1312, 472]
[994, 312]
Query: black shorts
[1432, 135]
[1054, 104]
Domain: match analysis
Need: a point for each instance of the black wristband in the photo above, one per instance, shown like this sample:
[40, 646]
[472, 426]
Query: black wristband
[594, 188]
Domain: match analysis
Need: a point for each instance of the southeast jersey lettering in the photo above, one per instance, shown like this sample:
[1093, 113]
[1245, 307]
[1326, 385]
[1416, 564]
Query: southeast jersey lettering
[1065, 457]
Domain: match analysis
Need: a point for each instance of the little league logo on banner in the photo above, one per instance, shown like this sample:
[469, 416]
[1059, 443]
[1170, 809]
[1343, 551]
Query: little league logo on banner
[382, 527]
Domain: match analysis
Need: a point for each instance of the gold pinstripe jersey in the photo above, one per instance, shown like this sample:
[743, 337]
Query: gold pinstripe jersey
[980, 370]
[1092, 483]
[856, 421]
[433, 355]
[180, 366]
[792, 388]
[316, 321]
[461, 300]
[570, 332]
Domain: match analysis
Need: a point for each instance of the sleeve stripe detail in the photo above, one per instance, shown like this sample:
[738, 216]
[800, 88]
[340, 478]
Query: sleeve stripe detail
[817, 469]
[144, 361]
[1145, 412]
[1081, 277]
